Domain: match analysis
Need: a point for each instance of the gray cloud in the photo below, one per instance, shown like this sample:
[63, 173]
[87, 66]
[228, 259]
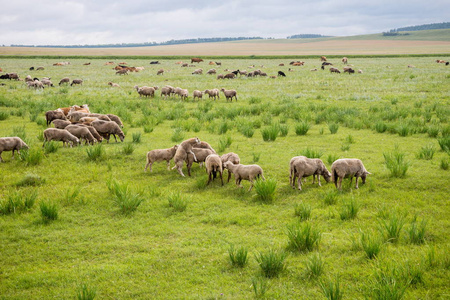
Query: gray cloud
[70, 22]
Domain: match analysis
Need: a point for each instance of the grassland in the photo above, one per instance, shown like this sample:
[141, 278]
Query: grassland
[162, 251]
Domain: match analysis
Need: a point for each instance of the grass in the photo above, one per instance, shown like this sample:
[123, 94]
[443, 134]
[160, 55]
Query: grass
[265, 190]
[18, 202]
[177, 202]
[32, 156]
[303, 211]
[302, 128]
[426, 152]
[391, 228]
[96, 153]
[238, 256]
[303, 238]
[314, 266]
[271, 262]
[85, 292]
[349, 210]
[270, 133]
[416, 231]
[123, 197]
[331, 289]
[371, 245]
[388, 283]
[311, 153]
[49, 211]
[396, 163]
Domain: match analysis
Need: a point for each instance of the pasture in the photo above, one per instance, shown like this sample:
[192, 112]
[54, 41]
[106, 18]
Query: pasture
[178, 241]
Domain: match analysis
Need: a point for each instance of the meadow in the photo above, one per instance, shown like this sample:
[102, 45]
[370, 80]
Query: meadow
[66, 231]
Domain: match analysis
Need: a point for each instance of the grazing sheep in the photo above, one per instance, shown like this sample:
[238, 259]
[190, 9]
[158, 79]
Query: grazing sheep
[13, 76]
[113, 84]
[184, 65]
[281, 65]
[87, 120]
[81, 133]
[348, 70]
[197, 94]
[218, 63]
[155, 62]
[166, 91]
[212, 93]
[160, 72]
[229, 76]
[348, 167]
[55, 134]
[213, 165]
[160, 155]
[233, 157]
[345, 60]
[281, 73]
[93, 131]
[146, 91]
[211, 71]
[47, 82]
[76, 116]
[54, 114]
[122, 71]
[77, 81]
[61, 124]
[229, 94]
[304, 167]
[184, 94]
[360, 71]
[211, 63]
[28, 78]
[106, 128]
[198, 72]
[11, 144]
[200, 156]
[35, 84]
[312, 70]
[334, 70]
[220, 76]
[323, 58]
[246, 172]
[183, 150]
[39, 68]
[115, 119]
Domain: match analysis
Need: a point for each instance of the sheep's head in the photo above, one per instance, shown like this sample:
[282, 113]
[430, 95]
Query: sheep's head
[327, 176]
[364, 175]
[121, 136]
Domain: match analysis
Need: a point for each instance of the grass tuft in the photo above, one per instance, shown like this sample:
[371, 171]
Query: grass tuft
[331, 289]
[303, 238]
[311, 153]
[303, 211]
[391, 228]
[265, 190]
[137, 136]
[396, 163]
[302, 128]
[426, 152]
[96, 153]
[85, 292]
[349, 210]
[314, 266]
[333, 127]
[371, 245]
[126, 200]
[271, 262]
[416, 231]
[49, 211]
[238, 256]
[177, 202]
[30, 179]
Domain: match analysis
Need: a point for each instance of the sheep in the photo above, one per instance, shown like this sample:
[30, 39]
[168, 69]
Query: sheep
[61, 124]
[204, 145]
[304, 167]
[200, 156]
[115, 119]
[213, 165]
[106, 128]
[87, 120]
[220, 76]
[64, 80]
[184, 65]
[166, 91]
[113, 84]
[348, 70]
[77, 81]
[323, 58]
[81, 133]
[229, 94]
[39, 68]
[177, 91]
[334, 70]
[182, 152]
[184, 94]
[13, 76]
[229, 76]
[211, 71]
[281, 73]
[66, 110]
[76, 116]
[47, 82]
[28, 78]
[146, 91]
[348, 167]
[93, 131]
[160, 155]
[344, 60]
[160, 72]
[55, 134]
[212, 93]
[233, 157]
[246, 172]
[313, 70]
[100, 117]
[122, 71]
[360, 71]
[11, 144]
[197, 94]
[198, 72]
[243, 73]
[35, 84]
[54, 114]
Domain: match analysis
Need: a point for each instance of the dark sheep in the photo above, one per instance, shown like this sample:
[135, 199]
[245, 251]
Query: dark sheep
[281, 73]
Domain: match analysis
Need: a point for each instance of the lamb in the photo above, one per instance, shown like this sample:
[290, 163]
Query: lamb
[304, 167]
[106, 128]
[64, 80]
[229, 94]
[200, 156]
[348, 167]
[197, 94]
[246, 172]
[182, 152]
[233, 157]
[61, 124]
[160, 155]
[54, 115]
[113, 84]
[81, 133]
[115, 119]
[77, 81]
[146, 91]
[334, 70]
[54, 134]
[213, 165]
[212, 93]
[11, 144]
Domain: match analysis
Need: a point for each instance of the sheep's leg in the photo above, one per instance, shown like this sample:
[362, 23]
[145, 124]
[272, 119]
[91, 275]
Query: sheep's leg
[229, 176]
[340, 183]
[168, 165]
[195, 157]
[318, 179]
[251, 185]
[293, 180]
[1, 159]
[356, 182]
[209, 178]
[12, 157]
[299, 182]
[221, 177]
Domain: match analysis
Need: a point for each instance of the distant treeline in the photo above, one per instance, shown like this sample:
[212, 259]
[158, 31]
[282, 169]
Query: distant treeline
[171, 42]
[306, 36]
[444, 25]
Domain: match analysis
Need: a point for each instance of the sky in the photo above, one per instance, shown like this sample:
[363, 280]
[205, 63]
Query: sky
[92, 22]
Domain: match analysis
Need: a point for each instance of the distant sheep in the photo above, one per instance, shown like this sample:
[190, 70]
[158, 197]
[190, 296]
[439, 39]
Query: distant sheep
[345, 60]
[166, 91]
[334, 70]
[198, 72]
[160, 155]
[113, 84]
[281, 73]
[54, 134]
[64, 80]
[348, 167]
[229, 76]
[220, 76]
[61, 124]
[160, 72]
[211, 71]
[229, 94]
[196, 59]
[77, 81]
[213, 93]
[146, 91]
[81, 133]
[53, 115]
[246, 172]
[197, 94]
[106, 128]
[304, 167]
[11, 144]
[213, 165]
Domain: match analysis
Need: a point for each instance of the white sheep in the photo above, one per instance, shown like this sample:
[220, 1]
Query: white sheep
[211, 71]
[233, 157]
[246, 172]
[304, 167]
[182, 152]
[213, 165]
[11, 144]
[197, 94]
[200, 156]
[213, 93]
[160, 155]
[198, 72]
[81, 133]
[146, 91]
[106, 128]
[54, 134]
[184, 94]
[61, 124]
[113, 84]
[348, 167]
[229, 94]
[166, 91]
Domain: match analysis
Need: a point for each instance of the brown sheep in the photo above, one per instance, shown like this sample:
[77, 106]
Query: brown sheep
[160, 155]
[81, 133]
[200, 156]
[196, 59]
[106, 128]
[229, 94]
[213, 165]
[54, 115]
[54, 134]
[183, 150]
[304, 167]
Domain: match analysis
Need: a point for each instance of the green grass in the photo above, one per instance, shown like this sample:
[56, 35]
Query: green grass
[123, 197]
[331, 289]
[265, 190]
[303, 237]
[156, 252]
[271, 262]
[238, 256]
[49, 211]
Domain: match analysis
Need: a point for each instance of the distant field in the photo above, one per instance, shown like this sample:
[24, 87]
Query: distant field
[423, 42]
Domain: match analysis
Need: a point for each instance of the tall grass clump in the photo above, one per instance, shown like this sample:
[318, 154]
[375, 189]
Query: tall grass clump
[256, 156]
[271, 262]
[148, 128]
[3, 115]
[426, 152]
[50, 147]
[223, 127]
[19, 131]
[178, 135]
[265, 190]
[404, 129]
[388, 284]
[349, 210]
[444, 143]
[391, 228]
[433, 131]
[177, 202]
[18, 202]
[128, 149]
[137, 136]
[238, 256]
[85, 292]
[380, 127]
[333, 127]
[30, 179]
[260, 287]
[416, 231]
[331, 289]
[302, 211]
[331, 158]
[126, 200]
[49, 211]
[247, 130]
[314, 265]
[284, 129]
[396, 163]
[444, 164]
[302, 238]
[330, 197]
[32, 156]
[371, 245]
[224, 143]
[71, 195]
[311, 153]
[302, 128]
[96, 153]
[270, 133]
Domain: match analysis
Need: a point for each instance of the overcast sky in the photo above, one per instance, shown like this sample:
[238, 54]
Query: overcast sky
[65, 22]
